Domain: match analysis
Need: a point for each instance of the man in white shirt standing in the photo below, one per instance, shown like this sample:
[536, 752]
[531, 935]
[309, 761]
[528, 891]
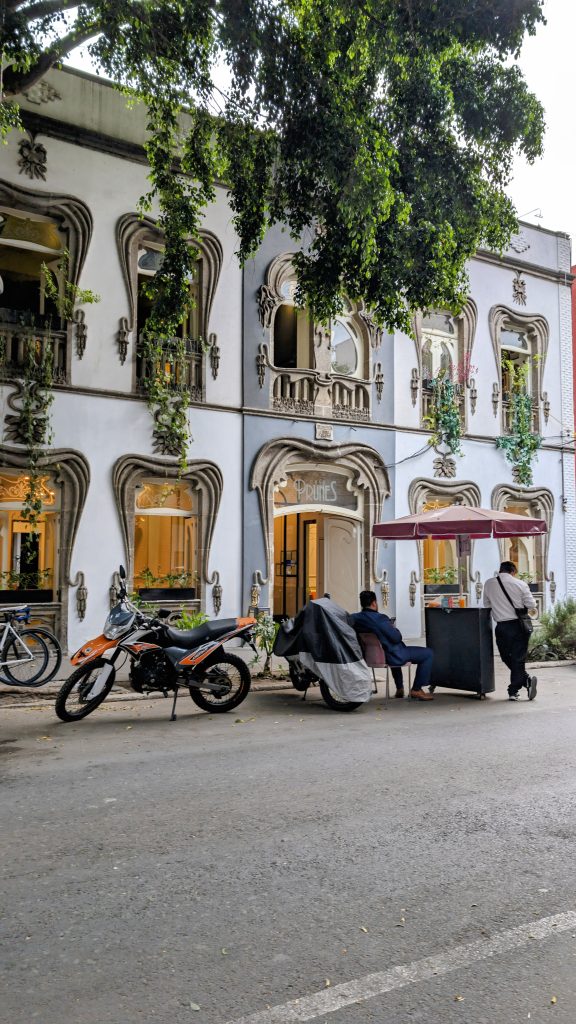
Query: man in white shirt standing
[503, 594]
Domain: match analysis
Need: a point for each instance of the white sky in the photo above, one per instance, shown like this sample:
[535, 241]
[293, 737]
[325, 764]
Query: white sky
[547, 60]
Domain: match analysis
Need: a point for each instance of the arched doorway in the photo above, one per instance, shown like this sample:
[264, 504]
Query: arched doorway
[318, 503]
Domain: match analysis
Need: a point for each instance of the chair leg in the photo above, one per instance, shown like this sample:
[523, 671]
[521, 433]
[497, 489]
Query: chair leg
[387, 683]
[409, 680]
[375, 687]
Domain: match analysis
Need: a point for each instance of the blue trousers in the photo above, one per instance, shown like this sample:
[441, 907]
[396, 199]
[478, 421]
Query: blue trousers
[420, 656]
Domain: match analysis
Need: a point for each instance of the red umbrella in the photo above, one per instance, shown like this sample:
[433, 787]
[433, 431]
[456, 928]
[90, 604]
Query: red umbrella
[461, 522]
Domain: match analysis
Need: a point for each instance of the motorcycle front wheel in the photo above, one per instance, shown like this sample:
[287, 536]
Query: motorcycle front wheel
[231, 673]
[73, 701]
[336, 703]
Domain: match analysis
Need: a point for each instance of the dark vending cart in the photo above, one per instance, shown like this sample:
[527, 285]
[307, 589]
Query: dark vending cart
[461, 639]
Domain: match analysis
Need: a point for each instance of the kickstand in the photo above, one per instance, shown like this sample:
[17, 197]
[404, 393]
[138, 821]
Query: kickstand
[305, 692]
[173, 715]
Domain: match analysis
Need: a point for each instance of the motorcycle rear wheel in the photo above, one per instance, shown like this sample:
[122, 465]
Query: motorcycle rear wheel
[72, 702]
[229, 670]
[336, 703]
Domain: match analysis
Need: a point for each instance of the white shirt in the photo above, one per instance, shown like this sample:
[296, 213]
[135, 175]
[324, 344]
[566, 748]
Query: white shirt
[520, 595]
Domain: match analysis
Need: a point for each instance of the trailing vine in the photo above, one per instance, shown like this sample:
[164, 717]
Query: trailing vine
[37, 379]
[443, 418]
[521, 444]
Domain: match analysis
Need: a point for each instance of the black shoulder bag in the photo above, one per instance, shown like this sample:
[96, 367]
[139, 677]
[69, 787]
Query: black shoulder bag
[522, 613]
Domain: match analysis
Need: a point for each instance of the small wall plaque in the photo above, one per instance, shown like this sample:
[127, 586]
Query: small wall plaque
[324, 432]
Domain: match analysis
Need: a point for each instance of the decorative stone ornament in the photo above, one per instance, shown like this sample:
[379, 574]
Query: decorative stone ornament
[266, 300]
[217, 595]
[471, 384]
[545, 406]
[122, 337]
[520, 243]
[324, 432]
[414, 385]
[81, 594]
[374, 331]
[444, 466]
[81, 332]
[164, 441]
[33, 158]
[214, 350]
[41, 92]
[261, 364]
[15, 424]
[413, 587]
[495, 398]
[378, 381]
[478, 585]
[552, 588]
[519, 289]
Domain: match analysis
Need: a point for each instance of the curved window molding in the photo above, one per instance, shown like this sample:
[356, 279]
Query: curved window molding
[132, 232]
[425, 490]
[314, 370]
[71, 470]
[367, 472]
[204, 478]
[536, 331]
[458, 347]
[539, 502]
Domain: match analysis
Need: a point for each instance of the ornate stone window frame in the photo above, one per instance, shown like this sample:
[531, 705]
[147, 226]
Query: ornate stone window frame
[420, 491]
[71, 470]
[541, 502]
[75, 220]
[205, 478]
[466, 321]
[316, 390]
[131, 232]
[538, 330]
[367, 471]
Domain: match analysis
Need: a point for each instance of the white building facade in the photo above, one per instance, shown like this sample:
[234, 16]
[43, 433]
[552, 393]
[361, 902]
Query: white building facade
[302, 436]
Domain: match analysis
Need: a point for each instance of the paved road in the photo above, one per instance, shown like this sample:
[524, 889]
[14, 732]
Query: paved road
[207, 869]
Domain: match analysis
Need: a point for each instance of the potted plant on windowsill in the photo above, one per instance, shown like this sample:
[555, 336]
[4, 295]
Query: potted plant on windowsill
[528, 578]
[441, 581]
[169, 587]
[26, 587]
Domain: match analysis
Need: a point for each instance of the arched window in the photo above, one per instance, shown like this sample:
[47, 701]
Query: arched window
[141, 248]
[440, 348]
[346, 348]
[28, 553]
[166, 537]
[41, 235]
[520, 343]
[292, 331]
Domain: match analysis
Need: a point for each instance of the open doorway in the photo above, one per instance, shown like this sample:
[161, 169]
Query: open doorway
[315, 553]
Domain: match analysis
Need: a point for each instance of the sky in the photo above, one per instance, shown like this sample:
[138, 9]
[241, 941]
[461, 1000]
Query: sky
[542, 192]
[547, 186]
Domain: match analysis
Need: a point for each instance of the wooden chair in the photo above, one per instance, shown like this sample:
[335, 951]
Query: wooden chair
[375, 657]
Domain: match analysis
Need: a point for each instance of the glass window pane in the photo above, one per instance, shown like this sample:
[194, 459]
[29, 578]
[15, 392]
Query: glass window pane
[344, 349]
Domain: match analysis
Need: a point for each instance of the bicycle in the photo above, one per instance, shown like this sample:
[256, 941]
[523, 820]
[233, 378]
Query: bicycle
[28, 657]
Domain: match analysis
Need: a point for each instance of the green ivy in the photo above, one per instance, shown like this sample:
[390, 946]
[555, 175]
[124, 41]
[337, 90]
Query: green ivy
[521, 444]
[443, 418]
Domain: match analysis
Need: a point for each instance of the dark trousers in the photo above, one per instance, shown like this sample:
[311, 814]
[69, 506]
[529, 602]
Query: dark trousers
[512, 643]
[421, 657]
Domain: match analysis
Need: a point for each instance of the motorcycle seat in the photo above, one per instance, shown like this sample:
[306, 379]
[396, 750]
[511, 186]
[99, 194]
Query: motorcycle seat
[208, 631]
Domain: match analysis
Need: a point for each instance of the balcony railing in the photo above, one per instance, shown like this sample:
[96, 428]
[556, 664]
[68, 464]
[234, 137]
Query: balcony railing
[182, 370]
[507, 414]
[48, 348]
[307, 392]
[428, 399]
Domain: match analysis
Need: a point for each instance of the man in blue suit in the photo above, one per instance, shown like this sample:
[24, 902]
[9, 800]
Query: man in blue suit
[370, 620]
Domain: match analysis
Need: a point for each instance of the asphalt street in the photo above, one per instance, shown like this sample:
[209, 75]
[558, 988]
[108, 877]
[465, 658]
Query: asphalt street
[220, 868]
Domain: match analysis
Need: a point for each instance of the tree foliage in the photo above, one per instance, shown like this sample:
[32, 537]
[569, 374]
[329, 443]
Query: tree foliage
[381, 132]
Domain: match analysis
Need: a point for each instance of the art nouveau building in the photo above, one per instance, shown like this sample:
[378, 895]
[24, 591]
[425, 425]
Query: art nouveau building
[303, 435]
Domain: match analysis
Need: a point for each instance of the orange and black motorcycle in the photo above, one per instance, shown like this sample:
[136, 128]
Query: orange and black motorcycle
[162, 658]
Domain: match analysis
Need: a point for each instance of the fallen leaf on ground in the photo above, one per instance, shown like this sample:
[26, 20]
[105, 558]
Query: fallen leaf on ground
[363, 929]
[224, 952]
[327, 982]
[458, 999]
[44, 737]
[194, 1006]
[554, 1000]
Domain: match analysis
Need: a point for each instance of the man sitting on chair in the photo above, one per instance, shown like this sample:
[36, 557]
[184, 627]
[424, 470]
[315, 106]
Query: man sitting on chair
[370, 620]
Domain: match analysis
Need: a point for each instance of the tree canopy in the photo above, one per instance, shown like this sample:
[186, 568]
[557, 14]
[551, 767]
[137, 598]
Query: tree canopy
[381, 132]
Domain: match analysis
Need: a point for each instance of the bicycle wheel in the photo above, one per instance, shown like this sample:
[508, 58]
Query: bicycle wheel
[24, 661]
[54, 651]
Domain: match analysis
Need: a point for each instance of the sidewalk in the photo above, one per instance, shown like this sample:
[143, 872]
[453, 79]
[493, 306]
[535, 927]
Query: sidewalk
[19, 696]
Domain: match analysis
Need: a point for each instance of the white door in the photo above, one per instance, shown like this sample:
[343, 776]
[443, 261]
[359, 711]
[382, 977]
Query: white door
[342, 546]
